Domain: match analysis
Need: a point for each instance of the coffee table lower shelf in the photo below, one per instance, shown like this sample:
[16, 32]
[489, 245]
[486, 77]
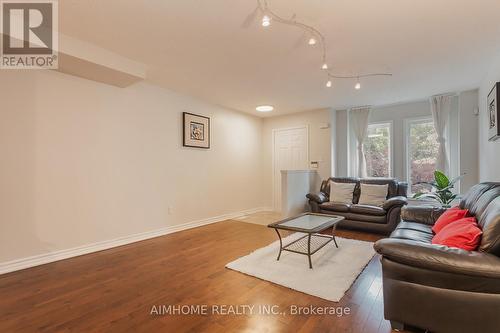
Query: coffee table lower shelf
[307, 245]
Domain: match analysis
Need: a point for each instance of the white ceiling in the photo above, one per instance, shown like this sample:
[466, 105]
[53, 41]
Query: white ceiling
[199, 47]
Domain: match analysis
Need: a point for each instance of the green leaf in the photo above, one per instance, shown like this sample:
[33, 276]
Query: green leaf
[444, 193]
[441, 180]
[449, 187]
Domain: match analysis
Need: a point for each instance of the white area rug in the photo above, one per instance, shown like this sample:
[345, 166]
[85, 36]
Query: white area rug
[334, 270]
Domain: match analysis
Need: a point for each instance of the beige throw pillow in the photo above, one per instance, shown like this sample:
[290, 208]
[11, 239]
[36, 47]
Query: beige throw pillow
[342, 192]
[373, 195]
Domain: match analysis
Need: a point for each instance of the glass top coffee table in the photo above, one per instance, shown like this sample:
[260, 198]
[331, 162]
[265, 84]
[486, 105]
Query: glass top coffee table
[310, 224]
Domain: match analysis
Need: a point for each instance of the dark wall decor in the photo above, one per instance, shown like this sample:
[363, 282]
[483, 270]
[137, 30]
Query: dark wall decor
[196, 131]
[494, 113]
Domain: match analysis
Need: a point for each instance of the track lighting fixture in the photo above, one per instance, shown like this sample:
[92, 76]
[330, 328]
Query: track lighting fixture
[315, 38]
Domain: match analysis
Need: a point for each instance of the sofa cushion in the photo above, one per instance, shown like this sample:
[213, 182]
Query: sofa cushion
[422, 214]
[342, 192]
[357, 217]
[367, 218]
[415, 226]
[441, 258]
[414, 235]
[335, 206]
[463, 234]
[471, 198]
[374, 195]
[483, 201]
[325, 185]
[331, 212]
[392, 184]
[490, 225]
[368, 209]
[449, 216]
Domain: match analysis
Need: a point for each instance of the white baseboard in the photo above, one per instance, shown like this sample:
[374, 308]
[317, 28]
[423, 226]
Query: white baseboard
[23, 263]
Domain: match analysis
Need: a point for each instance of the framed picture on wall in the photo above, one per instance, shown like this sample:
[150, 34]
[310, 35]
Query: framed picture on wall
[196, 131]
[494, 113]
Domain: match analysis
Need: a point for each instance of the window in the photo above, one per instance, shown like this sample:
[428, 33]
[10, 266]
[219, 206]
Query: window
[377, 147]
[422, 152]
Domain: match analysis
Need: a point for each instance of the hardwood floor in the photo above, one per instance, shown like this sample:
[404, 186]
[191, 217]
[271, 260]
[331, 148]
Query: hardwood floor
[115, 290]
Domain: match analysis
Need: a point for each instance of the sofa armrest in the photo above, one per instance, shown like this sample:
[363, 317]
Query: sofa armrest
[403, 189]
[422, 214]
[319, 197]
[398, 201]
[439, 257]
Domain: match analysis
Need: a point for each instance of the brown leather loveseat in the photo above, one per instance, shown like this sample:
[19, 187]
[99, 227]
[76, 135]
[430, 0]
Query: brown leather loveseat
[438, 288]
[363, 217]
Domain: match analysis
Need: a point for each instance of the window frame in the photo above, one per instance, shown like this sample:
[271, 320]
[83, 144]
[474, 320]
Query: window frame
[391, 143]
[408, 123]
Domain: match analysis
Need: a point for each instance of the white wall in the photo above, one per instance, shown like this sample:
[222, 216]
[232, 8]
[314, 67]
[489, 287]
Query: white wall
[469, 127]
[341, 142]
[83, 162]
[489, 152]
[319, 143]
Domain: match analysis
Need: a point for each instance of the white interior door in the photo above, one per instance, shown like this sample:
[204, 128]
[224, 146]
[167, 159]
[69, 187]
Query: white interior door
[290, 152]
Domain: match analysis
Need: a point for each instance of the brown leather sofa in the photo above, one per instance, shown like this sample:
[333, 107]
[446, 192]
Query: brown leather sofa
[438, 288]
[362, 217]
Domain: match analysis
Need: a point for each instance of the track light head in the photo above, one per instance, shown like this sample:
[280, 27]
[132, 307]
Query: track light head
[266, 21]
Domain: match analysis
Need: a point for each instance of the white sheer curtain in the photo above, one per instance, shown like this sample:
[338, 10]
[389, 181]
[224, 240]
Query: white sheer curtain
[359, 122]
[440, 109]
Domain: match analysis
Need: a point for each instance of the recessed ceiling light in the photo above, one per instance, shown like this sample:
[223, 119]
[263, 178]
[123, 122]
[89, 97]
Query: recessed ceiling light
[264, 108]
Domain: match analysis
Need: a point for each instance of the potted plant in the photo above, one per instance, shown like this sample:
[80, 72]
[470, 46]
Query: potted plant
[440, 189]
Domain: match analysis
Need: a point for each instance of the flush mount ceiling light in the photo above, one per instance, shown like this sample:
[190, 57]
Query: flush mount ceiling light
[265, 108]
[315, 38]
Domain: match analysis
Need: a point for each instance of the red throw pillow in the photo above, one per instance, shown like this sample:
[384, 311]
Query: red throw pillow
[450, 215]
[463, 234]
